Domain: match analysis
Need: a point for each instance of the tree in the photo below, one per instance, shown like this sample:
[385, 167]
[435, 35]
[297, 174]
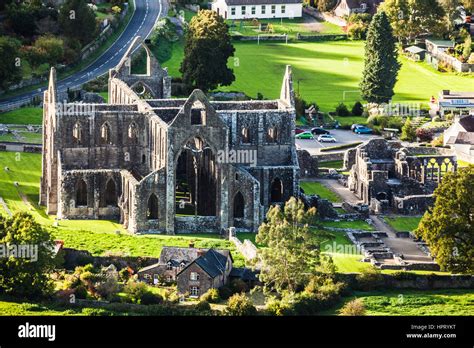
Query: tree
[452, 13]
[77, 21]
[240, 305]
[53, 47]
[411, 18]
[326, 5]
[408, 131]
[20, 18]
[353, 308]
[357, 109]
[381, 64]
[25, 275]
[10, 67]
[208, 47]
[291, 252]
[448, 227]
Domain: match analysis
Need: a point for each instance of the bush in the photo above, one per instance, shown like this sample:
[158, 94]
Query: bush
[203, 306]
[135, 291]
[357, 109]
[240, 305]
[225, 292]
[357, 31]
[436, 119]
[238, 286]
[353, 308]
[342, 110]
[424, 134]
[80, 292]
[149, 298]
[211, 296]
[369, 279]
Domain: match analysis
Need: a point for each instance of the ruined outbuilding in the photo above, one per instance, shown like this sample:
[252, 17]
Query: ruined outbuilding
[163, 165]
[392, 178]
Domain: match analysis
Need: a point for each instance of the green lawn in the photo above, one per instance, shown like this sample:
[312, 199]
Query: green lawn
[27, 115]
[332, 164]
[403, 223]
[328, 72]
[350, 120]
[356, 224]
[416, 303]
[317, 188]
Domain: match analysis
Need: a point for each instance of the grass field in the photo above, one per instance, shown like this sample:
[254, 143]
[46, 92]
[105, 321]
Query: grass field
[332, 164]
[27, 115]
[316, 188]
[412, 302]
[403, 223]
[325, 72]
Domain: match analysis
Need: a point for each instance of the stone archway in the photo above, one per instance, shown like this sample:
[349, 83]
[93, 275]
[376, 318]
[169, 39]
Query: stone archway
[276, 191]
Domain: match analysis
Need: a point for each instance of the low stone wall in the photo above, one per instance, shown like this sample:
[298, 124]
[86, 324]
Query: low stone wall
[334, 156]
[403, 280]
[329, 37]
[199, 224]
[308, 164]
[247, 248]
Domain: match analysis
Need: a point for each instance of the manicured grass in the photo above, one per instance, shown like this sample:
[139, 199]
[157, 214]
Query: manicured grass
[27, 115]
[356, 224]
[403, 223]
[416, 303]
[345, 121]
[317, 188]
[325, 70]
[331, 164]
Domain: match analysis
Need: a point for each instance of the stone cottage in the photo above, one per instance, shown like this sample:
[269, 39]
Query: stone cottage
[194, 270]
[167, 165]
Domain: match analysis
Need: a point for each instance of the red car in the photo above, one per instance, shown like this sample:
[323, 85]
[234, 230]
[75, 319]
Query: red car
[299, 131]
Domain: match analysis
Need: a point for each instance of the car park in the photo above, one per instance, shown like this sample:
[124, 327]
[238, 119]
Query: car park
[299, 131]
[304, 135]
[326, 138]
[362, 130]
[319, 130]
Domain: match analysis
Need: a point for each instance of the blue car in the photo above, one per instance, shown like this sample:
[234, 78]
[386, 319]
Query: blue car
[362, 130]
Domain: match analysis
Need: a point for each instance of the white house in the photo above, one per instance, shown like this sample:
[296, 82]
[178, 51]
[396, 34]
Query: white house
[347, 7]
[458, 103]
[460, 137]
[260, 9]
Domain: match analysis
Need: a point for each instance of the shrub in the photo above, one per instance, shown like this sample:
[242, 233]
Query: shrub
[149, 298]
[124, 274]
[342, 110]
[211, 296]
[353, 308]
[369, 279]
[240, 305]
[424, 134]
[203, 306]
[357, 109]
[225, 292]
[135, 291]
[238, 286]
[436, 119]
[357, 31]
[438, 141]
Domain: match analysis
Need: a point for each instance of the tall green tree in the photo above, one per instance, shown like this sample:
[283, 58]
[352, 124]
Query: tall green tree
[77, 21]
[206, 52]
[292, 251]
[408, 131]
[452, 13]
[381, 61]
[21, 276]
[448, 227]
[10, 67]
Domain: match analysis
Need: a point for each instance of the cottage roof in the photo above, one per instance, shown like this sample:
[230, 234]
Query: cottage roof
[414, 49]
[464, 138]
[212, 262]
[467, 123]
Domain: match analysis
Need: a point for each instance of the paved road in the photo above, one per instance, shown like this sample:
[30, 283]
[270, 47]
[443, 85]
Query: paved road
[141, 24]
[342, 137]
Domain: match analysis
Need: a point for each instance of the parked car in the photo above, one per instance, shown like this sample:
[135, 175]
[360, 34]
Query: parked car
[299, 130]
[304, 135]
[326, 138]
[363, 130]
[319, 130]
[355, 125]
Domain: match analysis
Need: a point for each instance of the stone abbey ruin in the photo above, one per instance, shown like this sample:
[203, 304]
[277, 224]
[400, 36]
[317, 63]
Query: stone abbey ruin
[167, 165]
[390, 178]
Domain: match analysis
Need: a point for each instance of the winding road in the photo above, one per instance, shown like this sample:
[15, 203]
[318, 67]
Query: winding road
[147, 12]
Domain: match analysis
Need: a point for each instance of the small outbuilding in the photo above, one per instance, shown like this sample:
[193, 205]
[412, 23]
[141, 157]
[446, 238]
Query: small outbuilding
[415, 53]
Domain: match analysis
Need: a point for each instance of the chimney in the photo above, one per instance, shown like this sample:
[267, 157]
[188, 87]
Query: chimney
[445, 91]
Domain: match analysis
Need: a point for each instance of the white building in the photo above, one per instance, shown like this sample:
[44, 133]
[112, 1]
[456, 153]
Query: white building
[460, 137]
[260, 9]
[458, 103]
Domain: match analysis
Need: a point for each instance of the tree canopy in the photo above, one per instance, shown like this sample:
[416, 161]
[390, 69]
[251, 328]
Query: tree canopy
[207, 48]
[10, 68]
[448, 227]
[77, 21]
[22, 276]
[381, 61]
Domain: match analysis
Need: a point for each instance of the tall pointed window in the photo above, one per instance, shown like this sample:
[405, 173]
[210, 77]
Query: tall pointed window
[105, 134]
[81, 193]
